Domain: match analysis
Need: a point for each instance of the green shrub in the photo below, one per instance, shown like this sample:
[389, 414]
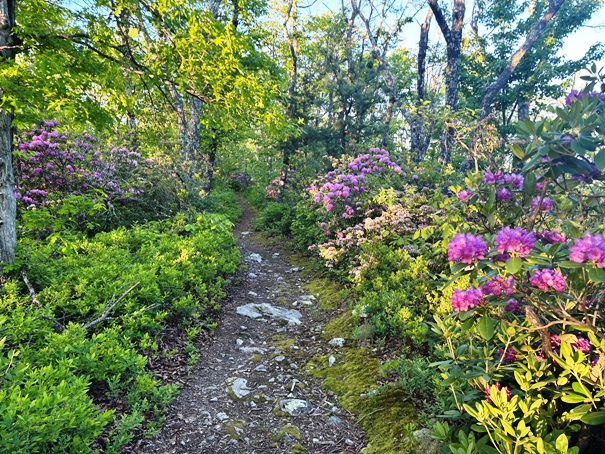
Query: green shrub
[101, 301]
[274, 218]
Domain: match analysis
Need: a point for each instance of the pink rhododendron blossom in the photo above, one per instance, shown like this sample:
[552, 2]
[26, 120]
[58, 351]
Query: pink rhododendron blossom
[555, 340]
[498, 286]
[548, 236]
[464, 194]
[516, 242]
[466, 247]
[546, 279]
[582, 344]
[590, 248]
[463, 300]
[507, 356]
[546, 205]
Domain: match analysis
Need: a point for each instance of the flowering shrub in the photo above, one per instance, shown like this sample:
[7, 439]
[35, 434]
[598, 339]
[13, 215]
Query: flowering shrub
[67, 181]
[525, 342]
[240, 181]
[272, 189]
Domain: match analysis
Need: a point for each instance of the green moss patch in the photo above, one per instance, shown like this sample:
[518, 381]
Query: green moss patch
[290, 429]
[326, 291]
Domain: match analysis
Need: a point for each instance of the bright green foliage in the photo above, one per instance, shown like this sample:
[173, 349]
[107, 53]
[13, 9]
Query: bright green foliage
[180, 266]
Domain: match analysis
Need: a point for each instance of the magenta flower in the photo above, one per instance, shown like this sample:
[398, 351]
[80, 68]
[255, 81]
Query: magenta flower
[546, 279]
[548, 236]
[514, 179]
[582, 344]
[498, 286]
[463, 300]
[503, 194]
[516, 242]
[546, 205]
[507, 356]
[555, 340]
[464, 194]
[466, 247]
[590, 248]
[513, 306]
[499, 387]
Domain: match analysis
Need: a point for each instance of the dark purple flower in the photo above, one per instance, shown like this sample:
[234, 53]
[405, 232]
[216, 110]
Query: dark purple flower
[507, 356]
[546, 205]
[498, 286]
[582, 344]
[590, 248]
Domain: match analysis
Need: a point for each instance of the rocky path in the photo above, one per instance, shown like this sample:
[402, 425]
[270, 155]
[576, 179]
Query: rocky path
[249, 393]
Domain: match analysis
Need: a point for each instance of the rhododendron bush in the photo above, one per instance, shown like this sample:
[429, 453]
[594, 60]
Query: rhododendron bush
[524, 351]
[58, 173]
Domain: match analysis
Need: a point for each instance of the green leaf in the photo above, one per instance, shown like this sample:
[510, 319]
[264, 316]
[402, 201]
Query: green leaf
[595, 418]
[561, 444]
[486, 327]
[568, 264]
[599, 159]
[596, 274]
[529, 183]
[517, 151]
[513, 265]
[572, 398]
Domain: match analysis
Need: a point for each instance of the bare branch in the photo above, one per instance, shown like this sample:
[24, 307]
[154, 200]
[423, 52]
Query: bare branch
[111, 307]
[30, 287]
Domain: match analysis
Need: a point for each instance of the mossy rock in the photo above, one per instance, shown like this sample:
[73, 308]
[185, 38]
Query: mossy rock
[328, 293]
[298, 449]
[235, 430]
[289, 429]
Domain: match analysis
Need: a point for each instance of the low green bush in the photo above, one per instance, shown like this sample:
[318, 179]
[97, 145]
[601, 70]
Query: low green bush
[275, 218]
[101, 302]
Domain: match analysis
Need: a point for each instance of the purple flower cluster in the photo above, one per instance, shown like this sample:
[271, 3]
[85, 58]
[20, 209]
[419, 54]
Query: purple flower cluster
[343, 187]
[463, 300]
[507, 356]
[576, 95]
[466, 247]
[546, 279]
[272, 189]
[50, 162]
[499, 387]
[550, 237]
[240, 181]
[498, 286]
[590, 248]
[514, 179]
[464, 194]
[582, 344]
[513, 306]
[546, 204]
[516, 242]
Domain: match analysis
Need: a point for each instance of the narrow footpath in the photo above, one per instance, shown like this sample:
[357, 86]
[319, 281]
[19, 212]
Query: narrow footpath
[249, 393]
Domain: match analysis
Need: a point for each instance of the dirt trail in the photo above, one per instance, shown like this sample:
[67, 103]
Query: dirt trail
[249, 393]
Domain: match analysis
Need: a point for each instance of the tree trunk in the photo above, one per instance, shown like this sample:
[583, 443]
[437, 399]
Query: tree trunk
[492, 90]
[453, 40]
[419, 136]
[179, 108]
[8, 211]
[213, 148]
[289, 146]
[193, 132]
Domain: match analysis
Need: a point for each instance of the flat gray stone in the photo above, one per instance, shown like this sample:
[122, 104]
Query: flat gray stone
[252, 350]
[238, 387]
[295, 407]
[337, 342]
[254, 258]
[259, 310]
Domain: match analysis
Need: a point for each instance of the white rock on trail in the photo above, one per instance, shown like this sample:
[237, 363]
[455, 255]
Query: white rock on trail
[258, 310]
[295, 407]
[238, 386]
[254, 258]
[337, 342]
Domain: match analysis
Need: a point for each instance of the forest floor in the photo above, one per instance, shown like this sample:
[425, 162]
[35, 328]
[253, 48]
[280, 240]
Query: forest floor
[249, 392]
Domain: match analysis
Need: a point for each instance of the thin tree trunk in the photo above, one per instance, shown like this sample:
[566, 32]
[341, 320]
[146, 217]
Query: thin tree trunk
[193, 132]
[420, 137]
[213, 148]
[453, 40]
[8, 212]
[179, 107]
[289, 145]
[492, 90]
